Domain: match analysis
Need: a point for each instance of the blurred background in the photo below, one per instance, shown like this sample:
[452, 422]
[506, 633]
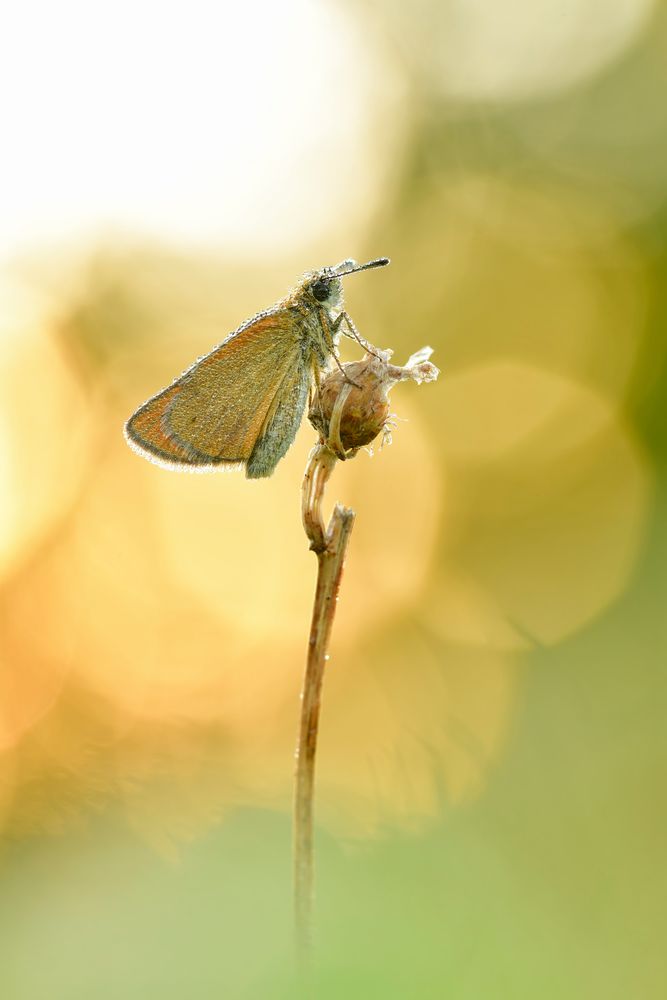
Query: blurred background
[490, 798]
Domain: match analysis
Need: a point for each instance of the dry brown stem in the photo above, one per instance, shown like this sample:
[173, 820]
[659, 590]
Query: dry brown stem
[330, 545]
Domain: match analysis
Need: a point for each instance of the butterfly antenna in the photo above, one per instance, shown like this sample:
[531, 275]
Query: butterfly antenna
[378, 262]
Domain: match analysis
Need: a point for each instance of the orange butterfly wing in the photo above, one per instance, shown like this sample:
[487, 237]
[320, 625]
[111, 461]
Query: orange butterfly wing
[214, 413]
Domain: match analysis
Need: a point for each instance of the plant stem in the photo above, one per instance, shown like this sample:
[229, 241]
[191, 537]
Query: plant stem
[330, 546]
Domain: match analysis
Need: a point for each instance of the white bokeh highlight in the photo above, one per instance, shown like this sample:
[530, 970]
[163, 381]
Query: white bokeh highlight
[243, 125]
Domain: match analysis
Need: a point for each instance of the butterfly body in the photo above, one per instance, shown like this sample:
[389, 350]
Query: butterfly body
[242, 403]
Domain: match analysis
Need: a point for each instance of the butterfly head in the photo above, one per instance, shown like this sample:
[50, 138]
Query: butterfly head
[325, 287]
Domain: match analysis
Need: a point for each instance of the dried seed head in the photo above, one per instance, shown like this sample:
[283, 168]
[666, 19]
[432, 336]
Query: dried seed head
[352, 406]
[361, 399]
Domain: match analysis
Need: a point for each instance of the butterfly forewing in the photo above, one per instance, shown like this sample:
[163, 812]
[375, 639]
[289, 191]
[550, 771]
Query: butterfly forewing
[197, 421]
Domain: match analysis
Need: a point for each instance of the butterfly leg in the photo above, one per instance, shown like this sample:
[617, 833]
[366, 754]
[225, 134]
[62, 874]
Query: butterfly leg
[354, 334]
[332, 329]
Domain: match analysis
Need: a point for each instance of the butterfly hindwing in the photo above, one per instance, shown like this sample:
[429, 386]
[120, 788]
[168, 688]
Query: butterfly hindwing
[281, 423]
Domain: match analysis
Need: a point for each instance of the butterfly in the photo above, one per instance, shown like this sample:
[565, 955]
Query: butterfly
[242, 403]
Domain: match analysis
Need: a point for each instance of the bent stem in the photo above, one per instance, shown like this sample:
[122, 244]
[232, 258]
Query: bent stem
[330, 545]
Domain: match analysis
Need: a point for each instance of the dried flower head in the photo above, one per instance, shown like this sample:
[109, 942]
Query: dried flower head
[352, 406]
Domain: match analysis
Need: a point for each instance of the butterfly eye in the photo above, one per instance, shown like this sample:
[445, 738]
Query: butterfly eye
[320, 290]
